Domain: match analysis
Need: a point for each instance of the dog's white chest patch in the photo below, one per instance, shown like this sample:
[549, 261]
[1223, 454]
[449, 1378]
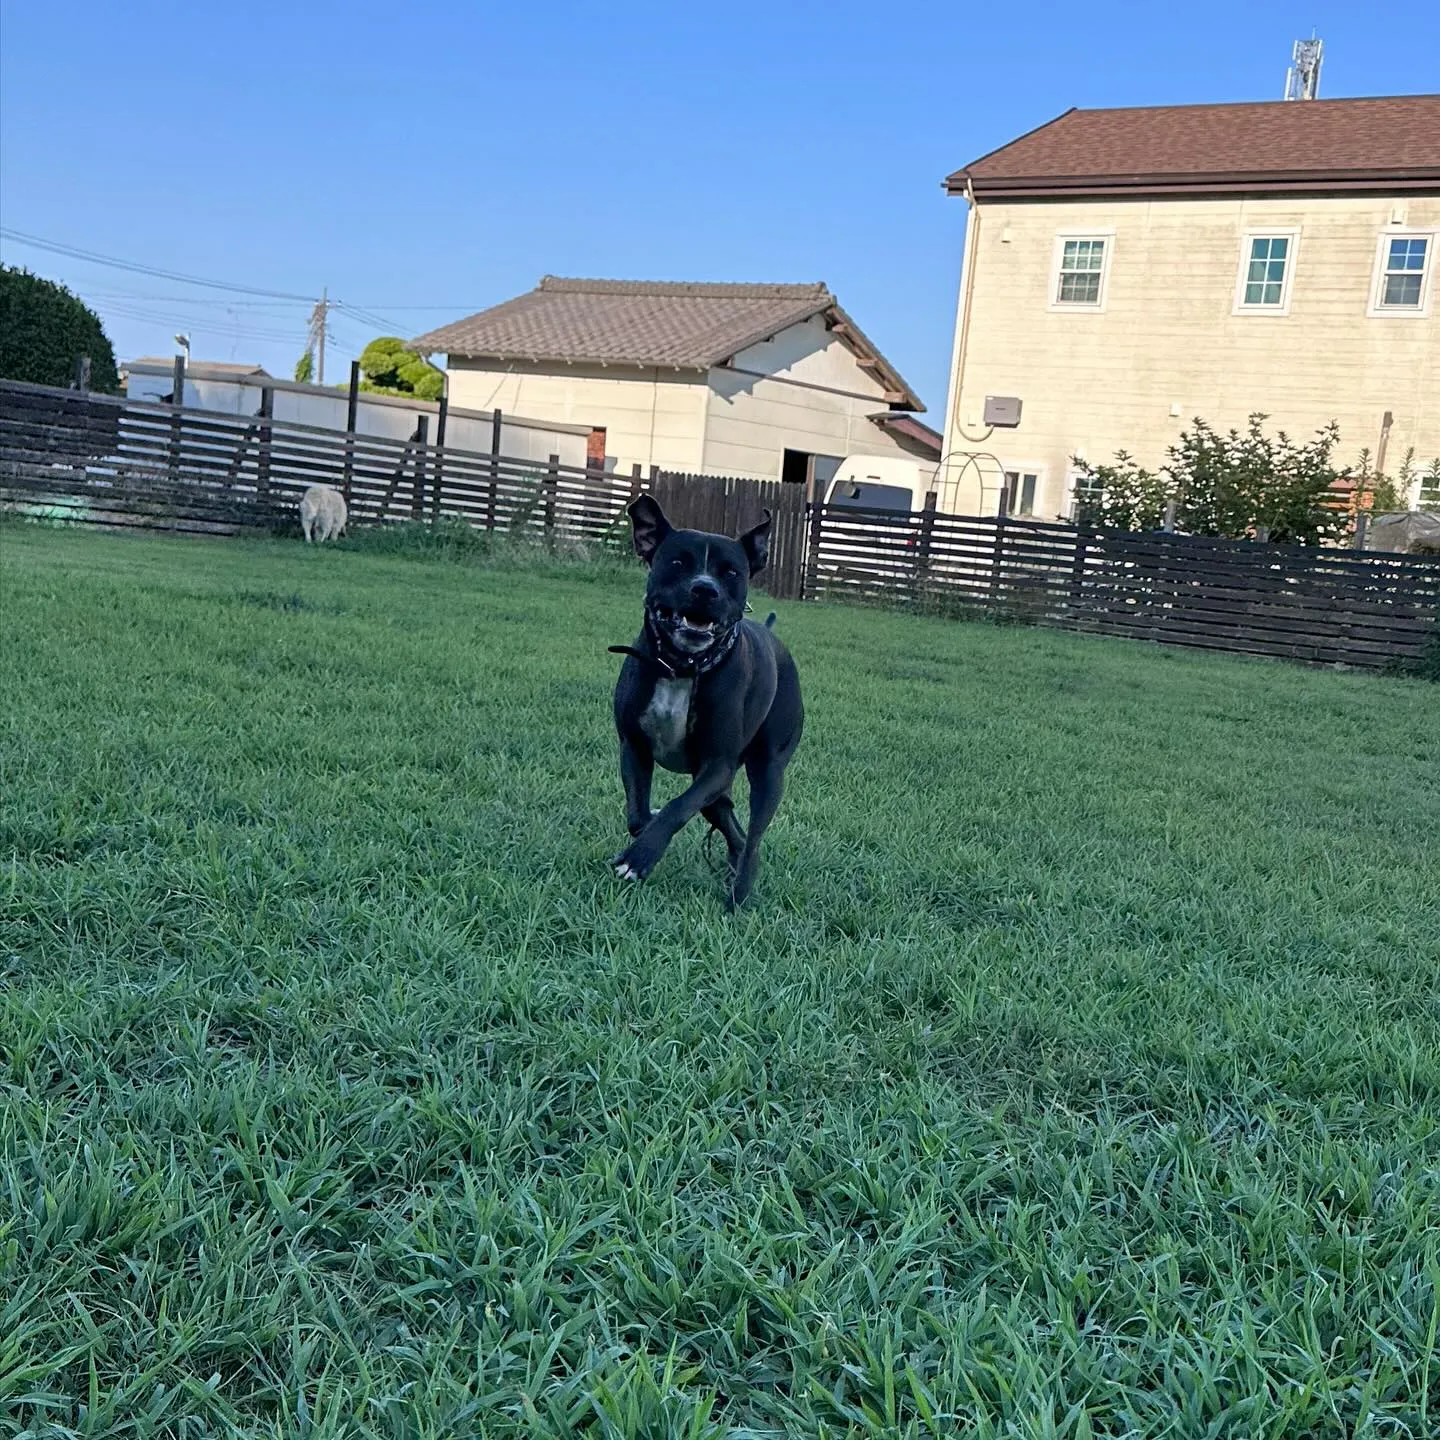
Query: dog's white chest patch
[667, 721]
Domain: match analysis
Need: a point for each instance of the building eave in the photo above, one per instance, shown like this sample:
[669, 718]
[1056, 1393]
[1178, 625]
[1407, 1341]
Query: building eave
[1109, 187]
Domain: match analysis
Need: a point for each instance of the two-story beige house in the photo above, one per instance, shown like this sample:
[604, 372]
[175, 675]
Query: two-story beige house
[1128, 270]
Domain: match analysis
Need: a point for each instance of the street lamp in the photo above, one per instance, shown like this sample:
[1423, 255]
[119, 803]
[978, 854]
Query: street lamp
[183, 341]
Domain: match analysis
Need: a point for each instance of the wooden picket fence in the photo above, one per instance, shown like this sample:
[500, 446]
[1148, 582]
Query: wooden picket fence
[1322, 606]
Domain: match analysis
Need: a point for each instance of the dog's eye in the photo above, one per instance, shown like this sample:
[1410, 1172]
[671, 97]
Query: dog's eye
[677, 563]
[728, 572]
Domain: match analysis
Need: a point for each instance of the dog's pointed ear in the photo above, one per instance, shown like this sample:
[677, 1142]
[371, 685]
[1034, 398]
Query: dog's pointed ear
[756, 544]
[650, 527]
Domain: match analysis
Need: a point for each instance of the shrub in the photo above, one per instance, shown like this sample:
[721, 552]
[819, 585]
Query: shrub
[1430, 487]
[391, 369]
[1253, 484]
[1236, 486]
[1122, 496]
[45, 329]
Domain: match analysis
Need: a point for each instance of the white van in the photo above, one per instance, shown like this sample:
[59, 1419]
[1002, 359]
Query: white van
[881, 482]
[888, 489]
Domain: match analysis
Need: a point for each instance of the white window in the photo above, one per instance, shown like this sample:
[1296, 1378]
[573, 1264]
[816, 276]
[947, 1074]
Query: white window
[1082, 264]
[1267, 262]
[1020, 487]
[1402, 273]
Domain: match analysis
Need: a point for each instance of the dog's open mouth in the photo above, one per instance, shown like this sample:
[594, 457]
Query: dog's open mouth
[689, 630]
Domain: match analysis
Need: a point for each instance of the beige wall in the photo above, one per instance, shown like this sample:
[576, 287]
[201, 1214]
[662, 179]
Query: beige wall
[1168, 335]
[816, 398]
[813, 396]
[650, 417]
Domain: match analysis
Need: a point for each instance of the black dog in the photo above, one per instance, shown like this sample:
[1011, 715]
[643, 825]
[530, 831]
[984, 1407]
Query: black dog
[703, 691]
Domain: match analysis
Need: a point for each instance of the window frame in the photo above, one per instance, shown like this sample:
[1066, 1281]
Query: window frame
[1020, 471]
[1287, 284]
[1076, 307]
[1379, 311]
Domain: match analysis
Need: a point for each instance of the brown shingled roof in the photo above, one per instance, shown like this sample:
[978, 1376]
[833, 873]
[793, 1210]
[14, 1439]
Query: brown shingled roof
[661, 324]
[1385, 144]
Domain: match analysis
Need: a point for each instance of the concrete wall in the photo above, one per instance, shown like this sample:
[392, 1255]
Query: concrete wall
[1170, 340]
[815, 397]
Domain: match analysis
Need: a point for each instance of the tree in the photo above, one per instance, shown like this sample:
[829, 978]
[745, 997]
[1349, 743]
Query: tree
[305, 367]
[391, 369]
[45, 329]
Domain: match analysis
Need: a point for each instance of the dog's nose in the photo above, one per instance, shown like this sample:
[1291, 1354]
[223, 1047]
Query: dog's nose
[704, 585]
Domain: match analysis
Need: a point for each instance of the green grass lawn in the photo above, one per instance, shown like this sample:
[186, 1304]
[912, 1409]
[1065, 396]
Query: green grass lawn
[1076, 1071]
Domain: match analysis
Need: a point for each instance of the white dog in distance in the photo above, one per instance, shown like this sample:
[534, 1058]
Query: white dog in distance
[322, 513]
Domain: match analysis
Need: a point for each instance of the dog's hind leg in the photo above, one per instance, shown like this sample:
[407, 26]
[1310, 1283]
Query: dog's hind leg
[721, 815]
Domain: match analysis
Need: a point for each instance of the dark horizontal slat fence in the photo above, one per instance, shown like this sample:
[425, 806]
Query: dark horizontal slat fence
[1322, 606]
[129, 464]
[111, 462]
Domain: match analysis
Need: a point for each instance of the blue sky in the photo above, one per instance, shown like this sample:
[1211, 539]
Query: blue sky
[425, 160]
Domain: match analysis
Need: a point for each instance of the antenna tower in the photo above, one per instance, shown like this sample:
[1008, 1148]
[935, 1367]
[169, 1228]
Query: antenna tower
[1302, 79]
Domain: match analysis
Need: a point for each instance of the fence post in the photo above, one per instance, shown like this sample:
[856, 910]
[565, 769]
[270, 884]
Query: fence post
[417, 484]
[437, 473]
[922, 545]
[262, 469]
[82, 373]
[552, 489]
[495, 420]
[998, 563]
[812, 552]
[1362, 527]
[352, 412]
[177, 399]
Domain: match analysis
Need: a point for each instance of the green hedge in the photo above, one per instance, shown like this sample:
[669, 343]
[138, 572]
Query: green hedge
[44, 329]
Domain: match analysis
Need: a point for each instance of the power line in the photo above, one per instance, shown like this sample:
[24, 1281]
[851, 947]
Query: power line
[94, 258]
[210, 300]
[218, 323]
[367, 316]
[323, 307]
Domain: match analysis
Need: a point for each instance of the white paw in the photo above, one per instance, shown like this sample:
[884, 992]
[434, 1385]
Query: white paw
[626, 873]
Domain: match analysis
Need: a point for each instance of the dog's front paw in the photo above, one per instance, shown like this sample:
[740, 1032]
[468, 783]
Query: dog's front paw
[639, 859]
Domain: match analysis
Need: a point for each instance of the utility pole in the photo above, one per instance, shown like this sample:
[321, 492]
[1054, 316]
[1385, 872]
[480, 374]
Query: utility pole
[324, 309]
[318, 318]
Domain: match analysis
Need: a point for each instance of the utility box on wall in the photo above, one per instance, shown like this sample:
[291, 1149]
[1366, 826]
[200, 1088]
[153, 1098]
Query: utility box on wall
[1002, 411]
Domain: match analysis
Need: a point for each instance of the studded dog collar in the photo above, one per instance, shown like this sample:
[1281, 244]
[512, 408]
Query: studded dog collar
[673, 664]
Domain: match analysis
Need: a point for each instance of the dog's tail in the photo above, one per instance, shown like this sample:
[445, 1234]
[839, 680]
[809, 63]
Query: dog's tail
[770, 621]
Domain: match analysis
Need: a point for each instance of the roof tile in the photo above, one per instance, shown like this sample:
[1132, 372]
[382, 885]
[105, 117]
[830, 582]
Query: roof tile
[650, 323]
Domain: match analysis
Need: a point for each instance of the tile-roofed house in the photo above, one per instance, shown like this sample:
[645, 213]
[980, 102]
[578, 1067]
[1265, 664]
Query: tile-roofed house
[775, 381]
[1128, 270]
